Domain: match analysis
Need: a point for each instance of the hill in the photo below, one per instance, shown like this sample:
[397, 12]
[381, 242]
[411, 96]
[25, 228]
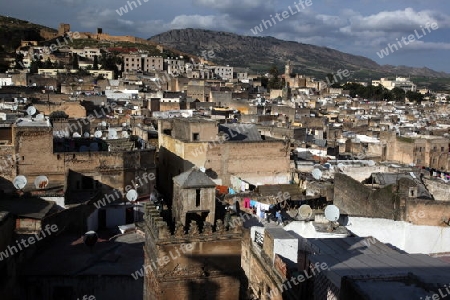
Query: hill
[259, 53]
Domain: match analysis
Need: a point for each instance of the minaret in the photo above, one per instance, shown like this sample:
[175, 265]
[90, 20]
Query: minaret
[288, 69]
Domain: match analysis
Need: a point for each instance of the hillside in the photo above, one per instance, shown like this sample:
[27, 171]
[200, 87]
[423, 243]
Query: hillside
[259, 53]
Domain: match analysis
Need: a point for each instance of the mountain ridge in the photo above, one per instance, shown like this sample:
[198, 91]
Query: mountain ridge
[260, 52]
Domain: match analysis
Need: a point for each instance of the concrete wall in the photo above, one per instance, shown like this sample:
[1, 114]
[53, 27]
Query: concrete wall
[405, 236]
[439, 189]
[355, 199]
[73, 109]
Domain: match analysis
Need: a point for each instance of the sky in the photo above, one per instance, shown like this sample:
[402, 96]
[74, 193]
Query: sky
[360, 27]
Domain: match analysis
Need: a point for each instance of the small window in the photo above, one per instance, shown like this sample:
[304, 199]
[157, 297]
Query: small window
[197, 197]
[195, 136]
[167, 131]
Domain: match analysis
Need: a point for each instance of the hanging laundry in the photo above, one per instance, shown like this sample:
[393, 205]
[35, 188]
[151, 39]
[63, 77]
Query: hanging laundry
[246, 202]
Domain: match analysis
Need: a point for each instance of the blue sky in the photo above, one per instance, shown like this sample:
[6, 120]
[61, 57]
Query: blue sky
[361, 27]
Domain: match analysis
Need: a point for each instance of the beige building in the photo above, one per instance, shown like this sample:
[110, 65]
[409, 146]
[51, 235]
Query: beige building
[424, 150]
[185, 143]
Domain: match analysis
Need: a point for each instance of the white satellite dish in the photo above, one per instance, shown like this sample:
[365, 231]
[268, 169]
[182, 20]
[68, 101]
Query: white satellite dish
[124, 124]
[371, 163]
[316, 174]
[305, 211]
[31, 110]
[20, 182]
[14, 107]
[112, 134]
[332, 213]
[202, 169]
[40, 117]
[98, 134]
[41, 182]
[86, 134]
[340, 166]
[124, 134]
[132, 195]
[103, 123]
[76, 135]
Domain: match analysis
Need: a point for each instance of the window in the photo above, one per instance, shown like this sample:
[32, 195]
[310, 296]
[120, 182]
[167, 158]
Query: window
[197, 197]
[167, 131]
[195, 136]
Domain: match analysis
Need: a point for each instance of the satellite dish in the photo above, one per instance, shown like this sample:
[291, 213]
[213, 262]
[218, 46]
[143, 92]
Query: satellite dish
[39, 117]
[340, 166]
[305, 211]
[124, 134]
[332, 213]
[31, 110]
[14, 107]
[86, 134]
[317, 174]
[41, 182]
[124, 124]
[202, 169]
[371, 163]
[76, 135]
[112, 134]
[383, 128]
[103, 123]
[20, 182]
[132, 195]
[98, 134]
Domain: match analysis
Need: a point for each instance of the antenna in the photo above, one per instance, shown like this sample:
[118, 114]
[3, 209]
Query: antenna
[41, 182]
[132, 195]
[31, 110]
[332, 213]
[20, 182]
[305, 212]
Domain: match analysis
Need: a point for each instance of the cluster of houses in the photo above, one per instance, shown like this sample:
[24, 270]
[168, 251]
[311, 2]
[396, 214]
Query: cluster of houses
[177, 151]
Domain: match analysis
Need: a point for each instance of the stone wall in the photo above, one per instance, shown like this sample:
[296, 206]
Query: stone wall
[198, 265]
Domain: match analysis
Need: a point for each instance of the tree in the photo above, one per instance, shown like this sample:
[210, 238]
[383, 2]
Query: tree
[58, 114]
[274, 81]
[414, 96]
[48, 64]
[398, 94]
[95, 67]
[19, 61]
[35, 65]
[75, 64]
